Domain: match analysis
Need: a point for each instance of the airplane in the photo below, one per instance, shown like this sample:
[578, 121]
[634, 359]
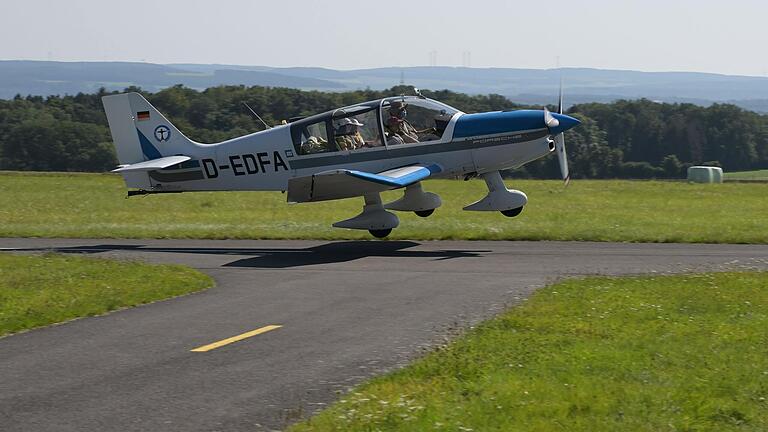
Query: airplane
[354, 151]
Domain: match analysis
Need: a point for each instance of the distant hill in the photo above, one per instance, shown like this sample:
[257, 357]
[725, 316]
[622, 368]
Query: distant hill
[46, 78]
[522, 85]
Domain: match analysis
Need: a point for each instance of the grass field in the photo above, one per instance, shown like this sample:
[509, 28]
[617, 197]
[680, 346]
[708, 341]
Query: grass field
[670, 353]
[747, 175]
[39, 290]
[94, 205]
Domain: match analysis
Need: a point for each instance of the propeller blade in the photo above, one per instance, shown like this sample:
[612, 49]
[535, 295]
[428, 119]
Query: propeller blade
[562, 157]
[550, 120]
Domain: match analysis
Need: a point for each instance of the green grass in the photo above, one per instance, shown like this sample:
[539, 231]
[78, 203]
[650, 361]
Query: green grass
[94, 205]
[37, 290]
[671, 353]
[747, 175]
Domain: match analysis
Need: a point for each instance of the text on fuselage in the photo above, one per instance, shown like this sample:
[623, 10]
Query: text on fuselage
[245, 164]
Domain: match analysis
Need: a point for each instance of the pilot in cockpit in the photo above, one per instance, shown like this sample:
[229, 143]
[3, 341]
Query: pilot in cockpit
[398, 126]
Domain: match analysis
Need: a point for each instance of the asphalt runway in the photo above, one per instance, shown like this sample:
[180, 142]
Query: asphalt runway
[348, 310]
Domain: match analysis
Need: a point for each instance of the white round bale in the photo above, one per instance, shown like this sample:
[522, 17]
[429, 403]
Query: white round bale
[717, 175]
[705, 174]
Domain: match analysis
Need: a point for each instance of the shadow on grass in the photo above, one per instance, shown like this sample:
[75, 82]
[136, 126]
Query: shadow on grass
[328, 253]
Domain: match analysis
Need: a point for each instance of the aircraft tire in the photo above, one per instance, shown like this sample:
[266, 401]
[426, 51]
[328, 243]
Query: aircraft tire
[424, 213]
[380, 233]
[512, 212]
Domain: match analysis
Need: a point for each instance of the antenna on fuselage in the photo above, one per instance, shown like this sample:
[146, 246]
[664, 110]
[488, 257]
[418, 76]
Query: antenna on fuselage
[257, 116]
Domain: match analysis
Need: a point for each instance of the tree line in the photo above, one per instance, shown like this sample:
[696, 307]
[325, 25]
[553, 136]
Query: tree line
[624, 139]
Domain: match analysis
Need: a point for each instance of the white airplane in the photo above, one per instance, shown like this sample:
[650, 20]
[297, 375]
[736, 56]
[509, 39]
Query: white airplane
[354, 151]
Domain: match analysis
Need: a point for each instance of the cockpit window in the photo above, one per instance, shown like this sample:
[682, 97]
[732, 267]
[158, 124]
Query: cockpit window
[311, 138]
[415, 120]
[358, 131]
[369, 125]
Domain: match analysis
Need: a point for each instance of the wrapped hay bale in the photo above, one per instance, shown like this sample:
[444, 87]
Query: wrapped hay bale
[717, 175]
[705, 174]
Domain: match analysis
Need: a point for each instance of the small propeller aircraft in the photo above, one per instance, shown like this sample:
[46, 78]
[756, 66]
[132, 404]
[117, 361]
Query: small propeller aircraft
[354, 151]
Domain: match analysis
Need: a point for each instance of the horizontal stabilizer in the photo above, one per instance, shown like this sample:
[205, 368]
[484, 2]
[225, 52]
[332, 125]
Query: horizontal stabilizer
[151, 165]
[343, 183]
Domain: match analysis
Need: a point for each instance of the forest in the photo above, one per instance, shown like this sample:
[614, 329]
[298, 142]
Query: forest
[624, 139]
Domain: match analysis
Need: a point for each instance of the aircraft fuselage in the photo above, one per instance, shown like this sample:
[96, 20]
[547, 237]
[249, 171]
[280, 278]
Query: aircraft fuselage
[471, 144]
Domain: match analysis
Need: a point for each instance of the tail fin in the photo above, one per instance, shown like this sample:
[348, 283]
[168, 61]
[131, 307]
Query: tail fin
[140, 133]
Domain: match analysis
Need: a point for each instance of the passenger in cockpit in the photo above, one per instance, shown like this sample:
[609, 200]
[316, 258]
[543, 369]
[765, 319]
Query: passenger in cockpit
[348, 135]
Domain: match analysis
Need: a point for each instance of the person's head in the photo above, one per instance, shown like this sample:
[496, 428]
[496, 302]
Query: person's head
[347, 126]
[397, 109]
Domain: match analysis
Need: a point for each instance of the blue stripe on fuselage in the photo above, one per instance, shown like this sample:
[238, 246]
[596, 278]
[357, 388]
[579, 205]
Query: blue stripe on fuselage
[490, 123]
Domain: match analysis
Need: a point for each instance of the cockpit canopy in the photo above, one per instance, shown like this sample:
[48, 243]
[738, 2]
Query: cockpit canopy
[384, 122]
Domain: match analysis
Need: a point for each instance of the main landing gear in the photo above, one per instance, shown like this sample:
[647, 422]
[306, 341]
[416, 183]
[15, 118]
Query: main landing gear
[379, 222]
[416, 200]
[373, 218]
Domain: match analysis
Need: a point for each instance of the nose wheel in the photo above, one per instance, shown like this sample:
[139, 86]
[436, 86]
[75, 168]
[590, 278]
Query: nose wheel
[509, 202]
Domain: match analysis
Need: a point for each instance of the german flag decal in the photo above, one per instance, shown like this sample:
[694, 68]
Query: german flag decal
[142, 115]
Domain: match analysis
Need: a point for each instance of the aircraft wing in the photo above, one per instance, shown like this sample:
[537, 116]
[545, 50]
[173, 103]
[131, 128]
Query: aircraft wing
[154, 164]
[337, 184]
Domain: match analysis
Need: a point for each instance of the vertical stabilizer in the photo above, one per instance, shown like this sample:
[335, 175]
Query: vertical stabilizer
[141, 133]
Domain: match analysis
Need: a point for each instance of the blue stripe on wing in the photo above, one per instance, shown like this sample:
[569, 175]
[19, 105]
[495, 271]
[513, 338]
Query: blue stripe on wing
[402, 181]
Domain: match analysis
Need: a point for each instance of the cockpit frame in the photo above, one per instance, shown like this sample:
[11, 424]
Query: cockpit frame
[299, 128]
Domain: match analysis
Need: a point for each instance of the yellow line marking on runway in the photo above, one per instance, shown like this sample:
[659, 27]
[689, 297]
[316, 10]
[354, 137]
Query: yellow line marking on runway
[237, 338]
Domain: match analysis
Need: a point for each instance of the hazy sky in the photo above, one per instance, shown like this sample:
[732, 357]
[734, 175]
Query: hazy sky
[651, 35]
